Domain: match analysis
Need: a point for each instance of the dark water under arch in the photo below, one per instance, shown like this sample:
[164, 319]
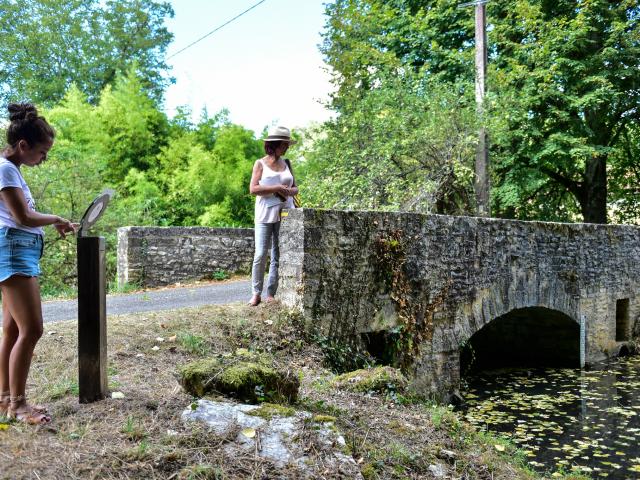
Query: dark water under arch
[526, 337]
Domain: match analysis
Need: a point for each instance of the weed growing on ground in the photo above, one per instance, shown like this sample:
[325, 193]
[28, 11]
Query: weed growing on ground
[219, 275]
[113, 287]
[193, 343]
[133, 429]
[62, 388]
[202, 472]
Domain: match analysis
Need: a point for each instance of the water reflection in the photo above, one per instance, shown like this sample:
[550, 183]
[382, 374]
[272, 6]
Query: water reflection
[584, 421]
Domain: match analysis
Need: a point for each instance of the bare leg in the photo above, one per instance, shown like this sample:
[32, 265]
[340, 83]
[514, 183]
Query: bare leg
[8, 340]
[22, 297]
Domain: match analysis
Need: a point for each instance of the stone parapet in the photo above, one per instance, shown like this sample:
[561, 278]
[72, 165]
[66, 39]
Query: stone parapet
[155, 256]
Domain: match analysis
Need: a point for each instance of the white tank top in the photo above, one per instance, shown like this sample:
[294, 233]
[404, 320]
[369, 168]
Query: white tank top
[264, 213]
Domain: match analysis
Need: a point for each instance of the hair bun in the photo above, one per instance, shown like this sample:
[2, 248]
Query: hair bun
[22, 111]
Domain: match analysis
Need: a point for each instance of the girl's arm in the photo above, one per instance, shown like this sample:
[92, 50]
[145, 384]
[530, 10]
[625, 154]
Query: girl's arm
[15, 201]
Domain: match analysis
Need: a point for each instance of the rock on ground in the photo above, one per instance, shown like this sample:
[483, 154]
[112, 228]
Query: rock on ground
[379, 379]
[294, 438]
[248, 377]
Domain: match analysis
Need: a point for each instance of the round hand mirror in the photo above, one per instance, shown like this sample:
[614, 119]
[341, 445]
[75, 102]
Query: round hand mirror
[94, 212]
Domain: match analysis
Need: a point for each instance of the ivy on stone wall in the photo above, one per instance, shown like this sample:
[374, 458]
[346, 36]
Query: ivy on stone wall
[415, 313]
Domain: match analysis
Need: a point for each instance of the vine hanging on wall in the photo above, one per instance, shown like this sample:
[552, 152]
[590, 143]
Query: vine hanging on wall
[415, 313]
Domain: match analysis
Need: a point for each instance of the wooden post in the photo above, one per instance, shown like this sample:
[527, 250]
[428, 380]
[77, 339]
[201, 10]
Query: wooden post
[92, 320]
[482, 152]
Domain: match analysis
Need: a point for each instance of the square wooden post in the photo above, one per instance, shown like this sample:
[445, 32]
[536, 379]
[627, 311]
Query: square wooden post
[92, 320]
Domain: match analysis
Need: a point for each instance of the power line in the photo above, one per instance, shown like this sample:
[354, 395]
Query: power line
[216, 29]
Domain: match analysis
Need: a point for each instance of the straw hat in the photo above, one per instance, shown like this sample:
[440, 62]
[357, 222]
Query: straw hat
[280, 134]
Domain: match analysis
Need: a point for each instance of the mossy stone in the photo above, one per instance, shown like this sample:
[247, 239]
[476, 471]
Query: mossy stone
[377, 379]
[324, 419]
[270, 410]
[252, 380]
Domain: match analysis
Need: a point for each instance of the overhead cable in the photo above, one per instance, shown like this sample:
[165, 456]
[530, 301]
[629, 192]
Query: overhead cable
[216, 29]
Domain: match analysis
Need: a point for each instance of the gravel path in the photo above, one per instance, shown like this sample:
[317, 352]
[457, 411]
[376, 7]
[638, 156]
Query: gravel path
[155, 300]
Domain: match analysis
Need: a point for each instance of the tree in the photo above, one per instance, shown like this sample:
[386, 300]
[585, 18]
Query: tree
[164, 172]
[364, 38]
[564, 74]
[576, 69]
[209, 187]
[133, 128]
[403, 138]
[66, 182]
[407, 144]
[625, 168]
[48, 45]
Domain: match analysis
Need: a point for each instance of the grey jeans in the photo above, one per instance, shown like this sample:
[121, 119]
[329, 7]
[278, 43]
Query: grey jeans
[266, 234]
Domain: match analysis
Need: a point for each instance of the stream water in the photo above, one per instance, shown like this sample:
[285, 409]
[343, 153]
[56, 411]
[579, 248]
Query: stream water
[565, 419]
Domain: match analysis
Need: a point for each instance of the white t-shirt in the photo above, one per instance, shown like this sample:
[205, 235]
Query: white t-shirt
[10, 176]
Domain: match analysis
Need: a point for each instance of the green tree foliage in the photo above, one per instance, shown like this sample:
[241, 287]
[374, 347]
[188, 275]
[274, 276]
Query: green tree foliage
[403, 138]
[406, 144]
[563, 78]
[133, 128]
[363, 39]
[574, 70]
[48, 45]
[625, 169]
[209, 187]
[67, 182]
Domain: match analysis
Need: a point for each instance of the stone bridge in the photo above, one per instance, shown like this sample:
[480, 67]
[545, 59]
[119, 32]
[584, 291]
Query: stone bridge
[437, 294]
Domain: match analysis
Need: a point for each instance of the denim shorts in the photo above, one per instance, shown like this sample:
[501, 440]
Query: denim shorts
[20, 253]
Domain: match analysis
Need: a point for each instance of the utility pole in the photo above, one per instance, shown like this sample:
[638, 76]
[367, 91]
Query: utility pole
[482, 152]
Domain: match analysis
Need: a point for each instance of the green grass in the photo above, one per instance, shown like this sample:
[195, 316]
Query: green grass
[133, 429]
[219, 275]
[193, 343]
[127, 287]
[62, 388]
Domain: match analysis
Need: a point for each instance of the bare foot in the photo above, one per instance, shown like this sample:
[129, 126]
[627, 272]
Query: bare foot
[255, 301]
[269, 299]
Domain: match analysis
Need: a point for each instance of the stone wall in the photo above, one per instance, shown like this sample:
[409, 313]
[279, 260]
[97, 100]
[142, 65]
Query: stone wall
[153, 256]
[438, 280]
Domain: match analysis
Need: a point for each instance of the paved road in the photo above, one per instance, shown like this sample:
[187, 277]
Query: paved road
[155, 300]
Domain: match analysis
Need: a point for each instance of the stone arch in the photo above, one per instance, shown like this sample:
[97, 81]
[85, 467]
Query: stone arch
[524, 290]
[523, 337]
[495, 309]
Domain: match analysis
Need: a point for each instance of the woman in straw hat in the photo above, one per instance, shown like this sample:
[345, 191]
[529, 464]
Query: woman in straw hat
[273, 185]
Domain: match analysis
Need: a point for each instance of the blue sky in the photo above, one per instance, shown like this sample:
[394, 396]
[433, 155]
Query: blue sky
[264, 67]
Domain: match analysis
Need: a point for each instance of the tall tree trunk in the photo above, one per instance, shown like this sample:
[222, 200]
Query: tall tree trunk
[594, 201]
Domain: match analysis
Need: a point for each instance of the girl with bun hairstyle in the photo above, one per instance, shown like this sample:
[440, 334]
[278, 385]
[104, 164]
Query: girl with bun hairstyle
[29, 139]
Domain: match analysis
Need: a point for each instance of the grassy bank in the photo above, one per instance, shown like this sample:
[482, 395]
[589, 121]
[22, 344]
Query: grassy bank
[142, 436]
